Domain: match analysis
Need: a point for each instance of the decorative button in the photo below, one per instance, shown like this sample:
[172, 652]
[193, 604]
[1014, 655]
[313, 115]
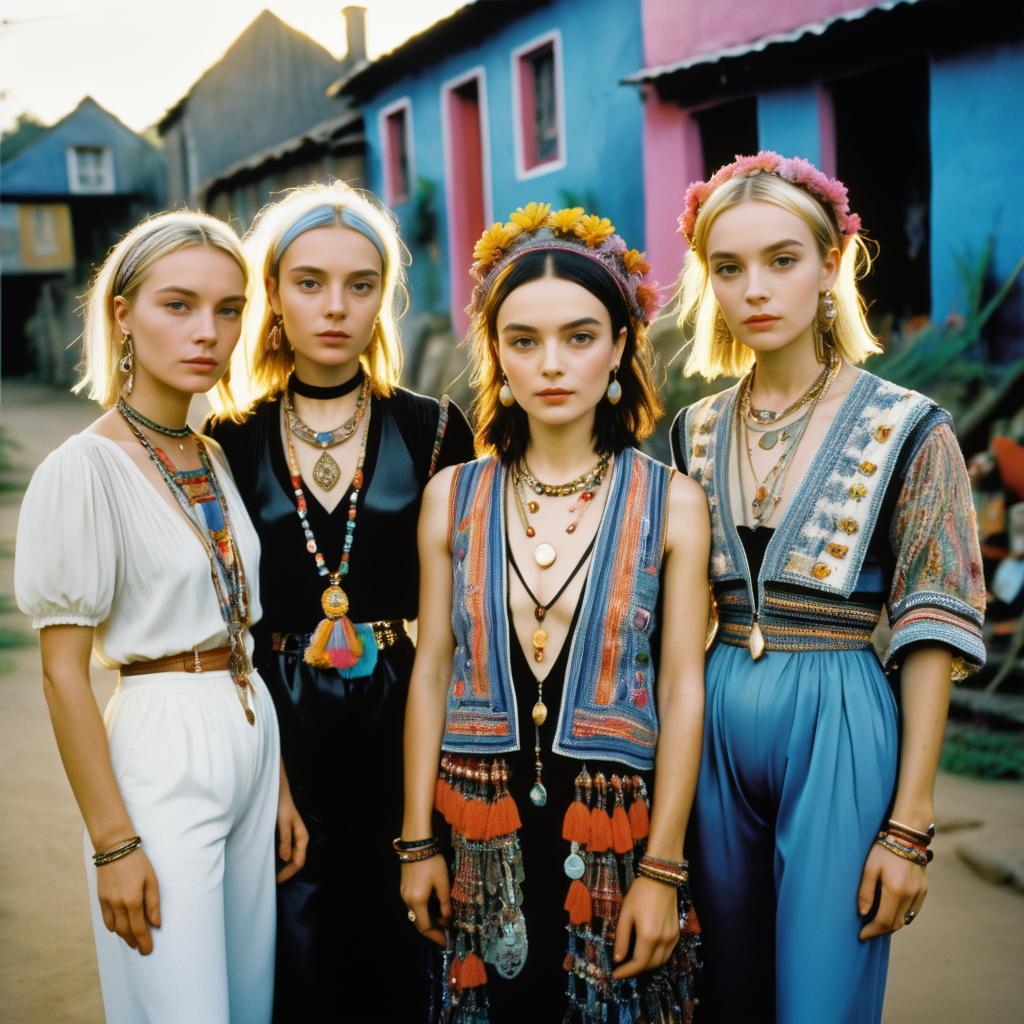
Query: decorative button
[706, 426]
[699, 451]
[640, 678]
[641, 617]
[837, 550]
[858, 491]
[698, 474]
[642, 657]
[459, 689]
[640, 698]
[820, 571]
[882, 433]
[848, 525]
[867, 468]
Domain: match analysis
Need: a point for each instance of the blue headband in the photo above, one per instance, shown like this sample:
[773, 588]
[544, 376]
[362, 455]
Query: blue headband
[326, 216]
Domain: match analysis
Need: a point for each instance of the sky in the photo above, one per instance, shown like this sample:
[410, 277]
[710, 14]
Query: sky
[137, 58]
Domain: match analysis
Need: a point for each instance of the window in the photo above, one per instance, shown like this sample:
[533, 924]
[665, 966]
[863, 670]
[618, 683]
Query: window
[725, 130]
[90, 169]
[396, 136]
[537, 96]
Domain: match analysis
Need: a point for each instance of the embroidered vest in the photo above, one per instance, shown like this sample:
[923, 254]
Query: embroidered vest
[607, 710]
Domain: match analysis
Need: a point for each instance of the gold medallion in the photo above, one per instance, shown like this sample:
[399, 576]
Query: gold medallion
[334, 601]
[325, 471]
[539, 713]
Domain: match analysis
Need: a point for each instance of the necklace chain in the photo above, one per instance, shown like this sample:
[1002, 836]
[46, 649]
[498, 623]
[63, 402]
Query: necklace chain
[767, 416]
[582, 482]
[327, 438]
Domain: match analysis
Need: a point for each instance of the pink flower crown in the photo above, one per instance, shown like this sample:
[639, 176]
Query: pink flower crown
[828, 191]
[535, 227]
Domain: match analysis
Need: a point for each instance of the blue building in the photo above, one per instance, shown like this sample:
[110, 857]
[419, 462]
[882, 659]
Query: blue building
[491, 108]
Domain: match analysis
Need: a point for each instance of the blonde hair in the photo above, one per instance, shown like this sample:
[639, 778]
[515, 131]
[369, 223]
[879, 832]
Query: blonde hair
[127, 265]
[265, 371]
[699, 310]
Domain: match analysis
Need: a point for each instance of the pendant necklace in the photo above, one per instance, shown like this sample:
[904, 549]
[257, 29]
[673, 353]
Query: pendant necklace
[765, 416]
[582, 482]
[214, 531]
[545, 554]
[334, 643]
[178, 433]
[539, 714]
[326, 471]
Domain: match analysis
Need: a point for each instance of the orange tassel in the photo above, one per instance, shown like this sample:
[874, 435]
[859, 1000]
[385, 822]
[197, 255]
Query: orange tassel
[455, 808]
[576, 824]
[441, 792]
[600, 831]
[639, 818]
[622, 838]
[334, 644]
[474, 821]
[473, 973]
[503, 817]
[692, 925]
[455, 974]
[578, 903]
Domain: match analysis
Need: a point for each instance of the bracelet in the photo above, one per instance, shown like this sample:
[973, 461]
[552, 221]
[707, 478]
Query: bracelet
[400, 845]
[670, 872]
[121, 850]
[912, 833]
[417, 850]
[911, 853]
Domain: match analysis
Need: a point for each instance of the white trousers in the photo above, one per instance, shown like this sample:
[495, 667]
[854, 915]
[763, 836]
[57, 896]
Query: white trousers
[201, 786]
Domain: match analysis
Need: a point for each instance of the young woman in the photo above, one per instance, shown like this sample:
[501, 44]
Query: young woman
[331, 462]
[535, 671]
[833, 493]
[133, 544]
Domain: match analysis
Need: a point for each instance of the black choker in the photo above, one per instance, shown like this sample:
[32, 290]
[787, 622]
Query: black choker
[334, 391]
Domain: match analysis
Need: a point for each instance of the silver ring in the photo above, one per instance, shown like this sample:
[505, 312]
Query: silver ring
[412, 916]
[908, 917]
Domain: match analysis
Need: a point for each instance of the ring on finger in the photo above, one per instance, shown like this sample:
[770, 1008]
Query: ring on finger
[412, 916]
[908, 917]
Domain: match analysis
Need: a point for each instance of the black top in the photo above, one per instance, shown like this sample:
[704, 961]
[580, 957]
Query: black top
[383, 578]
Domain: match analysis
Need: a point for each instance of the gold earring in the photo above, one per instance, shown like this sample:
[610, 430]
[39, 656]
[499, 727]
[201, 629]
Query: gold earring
[275, 334]
[722, 333]
[505, 395]
[614, 388]
[126, 364]
[827, 312]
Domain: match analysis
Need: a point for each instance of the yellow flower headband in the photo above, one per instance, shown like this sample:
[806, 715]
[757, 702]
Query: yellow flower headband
[535, 227]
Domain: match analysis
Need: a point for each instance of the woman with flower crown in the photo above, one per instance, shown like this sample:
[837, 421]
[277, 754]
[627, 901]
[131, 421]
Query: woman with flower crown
[833, 494]
[540, 681]
[133, 545]
[331, 460]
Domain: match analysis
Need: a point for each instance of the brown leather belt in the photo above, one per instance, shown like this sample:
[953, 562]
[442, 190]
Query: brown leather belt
[386, 633]
[188, 661]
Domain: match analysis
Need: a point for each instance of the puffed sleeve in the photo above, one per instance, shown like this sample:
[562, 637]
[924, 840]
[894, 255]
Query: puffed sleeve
[65, 562]
[938, 585]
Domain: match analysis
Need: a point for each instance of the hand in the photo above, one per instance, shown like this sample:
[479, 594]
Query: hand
[421, 880]
[651, 909]
[292, 836]
[130, 899]
[904, 886]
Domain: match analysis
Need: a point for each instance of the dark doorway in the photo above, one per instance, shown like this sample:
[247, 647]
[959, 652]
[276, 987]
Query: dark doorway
[883, 155]
[727, 130]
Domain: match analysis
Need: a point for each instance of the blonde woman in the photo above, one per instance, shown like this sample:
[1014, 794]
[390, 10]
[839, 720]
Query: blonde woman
[331, 460]
[833, 493]
[134, 545]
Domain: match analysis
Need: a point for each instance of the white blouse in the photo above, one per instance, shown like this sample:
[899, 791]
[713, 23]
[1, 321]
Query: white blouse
[99, 546]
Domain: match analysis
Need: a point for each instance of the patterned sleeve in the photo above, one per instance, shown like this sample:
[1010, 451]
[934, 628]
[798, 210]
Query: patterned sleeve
[938, 584]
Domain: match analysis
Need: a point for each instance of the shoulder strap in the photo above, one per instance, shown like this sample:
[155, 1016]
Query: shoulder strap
[442, 424]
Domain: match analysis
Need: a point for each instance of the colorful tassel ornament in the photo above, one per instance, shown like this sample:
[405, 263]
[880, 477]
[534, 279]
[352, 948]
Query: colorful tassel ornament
[578, 903]
[334, 644]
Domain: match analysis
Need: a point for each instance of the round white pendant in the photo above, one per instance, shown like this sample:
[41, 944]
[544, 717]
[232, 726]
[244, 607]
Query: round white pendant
[544, 555]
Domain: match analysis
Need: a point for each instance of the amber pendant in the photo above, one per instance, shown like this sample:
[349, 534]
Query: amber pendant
[540, 712]
[334, 601]
[756, 641]
[249, 716]
[325, 471]
[539, 640]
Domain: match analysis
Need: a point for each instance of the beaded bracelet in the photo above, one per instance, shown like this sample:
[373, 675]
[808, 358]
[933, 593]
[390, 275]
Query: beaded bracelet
[671, 872]
[121, 850]
[916, 854]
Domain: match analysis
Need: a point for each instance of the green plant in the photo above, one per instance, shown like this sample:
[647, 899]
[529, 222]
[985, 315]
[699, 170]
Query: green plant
[984, 755]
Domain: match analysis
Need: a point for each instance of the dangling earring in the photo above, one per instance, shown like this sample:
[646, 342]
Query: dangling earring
[505, 395]
[827, 312]
[274, 335]
[614, 388]
[722, 333]
[126, 364]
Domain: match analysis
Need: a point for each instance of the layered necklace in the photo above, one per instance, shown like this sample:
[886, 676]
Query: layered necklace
[585, 486]
[199, 496]
[326, 471]
[334, 643]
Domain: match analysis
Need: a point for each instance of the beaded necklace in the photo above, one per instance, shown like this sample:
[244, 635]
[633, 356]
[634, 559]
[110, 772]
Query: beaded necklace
[583, 481]
[212, 525]
[334, 643]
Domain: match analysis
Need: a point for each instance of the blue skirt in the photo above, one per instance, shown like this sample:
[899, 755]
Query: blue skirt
[797, 775]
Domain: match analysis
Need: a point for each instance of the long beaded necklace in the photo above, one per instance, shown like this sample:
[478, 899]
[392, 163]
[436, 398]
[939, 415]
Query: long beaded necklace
[545, 554]
[215, 533]
[334, 642]
[539, 640]
[326, 471]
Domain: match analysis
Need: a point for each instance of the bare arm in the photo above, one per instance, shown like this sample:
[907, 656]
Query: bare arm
[650, 907]
[425, 708]
[925, 687]
[127, 888]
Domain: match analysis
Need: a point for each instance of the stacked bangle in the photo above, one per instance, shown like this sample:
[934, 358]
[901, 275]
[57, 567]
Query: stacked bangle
[412, 850]
[912, 834]
[904, 848]
[671, 872]
[121, 850]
